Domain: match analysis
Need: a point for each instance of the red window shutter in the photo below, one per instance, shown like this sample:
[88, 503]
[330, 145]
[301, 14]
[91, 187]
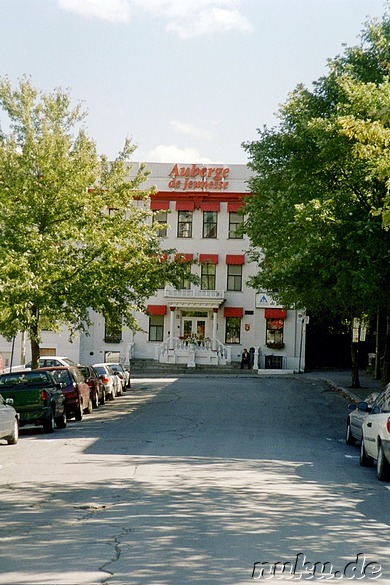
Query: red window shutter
[275, 313]
[157, 309]
[235, 259]
[212, 258]
[156, 205]
[185, 205]
[233, 312]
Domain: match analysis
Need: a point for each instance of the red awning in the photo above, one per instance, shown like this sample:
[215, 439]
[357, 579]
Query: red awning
[156, 205]
[234, 205]
[184, 257]
[233, 312]
[212, 258]
[210, 206]
[185, 205]
[157, 309]
[275, 313]
[235, 259]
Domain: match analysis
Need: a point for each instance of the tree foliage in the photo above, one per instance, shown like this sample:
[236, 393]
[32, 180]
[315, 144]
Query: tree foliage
[74, 232]
[320, 206]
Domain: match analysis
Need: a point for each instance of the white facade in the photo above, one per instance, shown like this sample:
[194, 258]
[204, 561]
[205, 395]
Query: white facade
[208, 324]
[191, 326]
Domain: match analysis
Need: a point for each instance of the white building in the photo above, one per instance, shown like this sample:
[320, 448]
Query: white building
[212, 323]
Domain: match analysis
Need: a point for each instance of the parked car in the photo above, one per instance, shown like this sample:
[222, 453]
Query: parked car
[124, 375]
[110, 380]
[44, 362]
[356, 418]
[74, 388]
[96, 386]
[9, 421]
[36, 397]
[375, 442]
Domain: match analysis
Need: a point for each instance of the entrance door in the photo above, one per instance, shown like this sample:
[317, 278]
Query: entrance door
[194, 327]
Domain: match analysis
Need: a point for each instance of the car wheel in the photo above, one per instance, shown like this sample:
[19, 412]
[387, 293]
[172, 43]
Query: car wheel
[79, 412]
[13, 439]
[49, 424]
[382, 465]
[365, 460]
[103, 398]
[96, 400]
[89, 408]
[349, 439]
[61, 421]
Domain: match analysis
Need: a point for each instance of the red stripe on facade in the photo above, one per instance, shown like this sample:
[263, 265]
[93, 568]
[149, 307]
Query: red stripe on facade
[157, 309]
[185, 257]
[233, 312]
[275, 313]
[212, 258]
[158, 205]
[235, 259]
[185, 205]
[210, 206]
[234, 205]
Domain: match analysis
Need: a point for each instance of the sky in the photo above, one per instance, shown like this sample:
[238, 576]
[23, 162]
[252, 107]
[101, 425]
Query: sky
[188, 81]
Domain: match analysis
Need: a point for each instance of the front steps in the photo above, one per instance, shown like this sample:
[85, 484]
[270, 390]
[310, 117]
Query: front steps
[141, 368]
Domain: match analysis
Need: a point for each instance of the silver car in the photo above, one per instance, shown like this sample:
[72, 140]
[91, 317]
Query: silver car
[9, 421]
[356, 418]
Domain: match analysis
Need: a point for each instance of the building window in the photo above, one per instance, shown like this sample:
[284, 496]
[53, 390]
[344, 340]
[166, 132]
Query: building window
[234, 277]
[236, 222]
[274, 338]
[210, 224]
[184, 224]
[161, 217]
[185, 282]
[233, 330]
[207, 277]
[112, 330]
[156, 328]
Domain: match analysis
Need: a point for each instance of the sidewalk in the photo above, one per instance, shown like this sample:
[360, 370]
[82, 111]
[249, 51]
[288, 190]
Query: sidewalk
[342, 379]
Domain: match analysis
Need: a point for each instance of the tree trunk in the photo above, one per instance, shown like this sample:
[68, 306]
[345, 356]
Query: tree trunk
[386, 356]
[34, 339]
[355, 364]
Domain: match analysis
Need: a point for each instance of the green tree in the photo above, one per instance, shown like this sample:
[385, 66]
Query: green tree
[319, 215]
[74, 232]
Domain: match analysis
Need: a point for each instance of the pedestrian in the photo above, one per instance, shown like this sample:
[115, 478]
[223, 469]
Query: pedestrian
[245, 361]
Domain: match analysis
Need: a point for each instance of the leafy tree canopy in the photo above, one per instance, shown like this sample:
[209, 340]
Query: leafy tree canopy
[75, 234]
[320, 209]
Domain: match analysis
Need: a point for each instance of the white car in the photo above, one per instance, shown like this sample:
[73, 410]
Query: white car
[124, 375]
[375, 442]
[110, 379]
[49, 361]
[9, 421]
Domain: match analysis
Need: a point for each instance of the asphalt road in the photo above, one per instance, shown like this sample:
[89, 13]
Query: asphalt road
[193, 481]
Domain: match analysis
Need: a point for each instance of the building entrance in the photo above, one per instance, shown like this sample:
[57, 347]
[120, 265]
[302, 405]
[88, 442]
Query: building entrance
[194, 324]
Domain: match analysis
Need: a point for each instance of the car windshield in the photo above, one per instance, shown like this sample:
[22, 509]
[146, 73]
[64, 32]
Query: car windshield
[116, 367]
[100, 370]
